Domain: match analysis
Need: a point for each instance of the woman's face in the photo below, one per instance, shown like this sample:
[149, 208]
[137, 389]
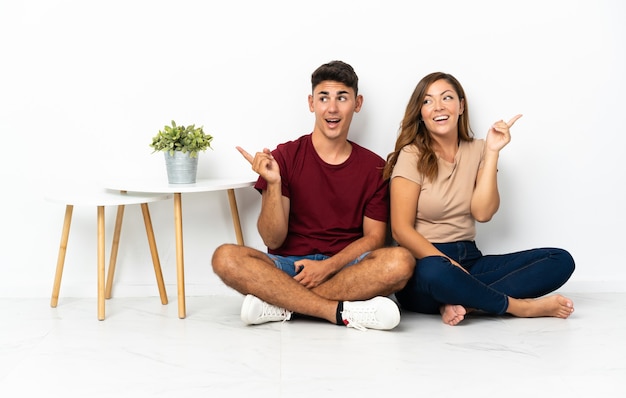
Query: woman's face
[441, 108]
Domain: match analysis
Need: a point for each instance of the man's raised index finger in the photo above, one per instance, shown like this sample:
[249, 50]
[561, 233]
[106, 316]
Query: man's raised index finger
[245, 154]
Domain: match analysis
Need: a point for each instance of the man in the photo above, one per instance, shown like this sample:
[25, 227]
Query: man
[324, 213]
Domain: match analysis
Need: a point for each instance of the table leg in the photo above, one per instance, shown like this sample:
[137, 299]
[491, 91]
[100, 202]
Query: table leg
[61, 258]
[114, 250]
[100, 263]
[154, 252]
[180, 262]
[234, 212]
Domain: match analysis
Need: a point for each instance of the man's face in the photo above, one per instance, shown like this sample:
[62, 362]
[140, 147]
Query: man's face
[334, 104]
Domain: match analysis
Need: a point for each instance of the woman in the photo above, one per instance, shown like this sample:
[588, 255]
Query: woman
[442, 182]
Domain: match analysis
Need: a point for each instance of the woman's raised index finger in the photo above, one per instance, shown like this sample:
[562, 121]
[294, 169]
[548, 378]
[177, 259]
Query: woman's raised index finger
[513, 120]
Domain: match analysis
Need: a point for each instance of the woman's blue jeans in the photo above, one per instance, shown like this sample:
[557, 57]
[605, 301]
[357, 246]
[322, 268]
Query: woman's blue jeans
[491, 279]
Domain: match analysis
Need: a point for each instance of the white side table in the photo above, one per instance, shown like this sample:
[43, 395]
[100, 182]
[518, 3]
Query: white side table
[100, 197]
[202, 185]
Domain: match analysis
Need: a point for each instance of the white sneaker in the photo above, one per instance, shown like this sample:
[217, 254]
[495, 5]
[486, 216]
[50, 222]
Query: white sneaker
[377, 313]
[255, 311]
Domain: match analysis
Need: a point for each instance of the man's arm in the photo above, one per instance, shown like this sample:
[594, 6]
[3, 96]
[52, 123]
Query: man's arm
[316, 272]
[374, 233]
[274, 218]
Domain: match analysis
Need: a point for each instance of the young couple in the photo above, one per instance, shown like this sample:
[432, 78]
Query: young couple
[326, 202]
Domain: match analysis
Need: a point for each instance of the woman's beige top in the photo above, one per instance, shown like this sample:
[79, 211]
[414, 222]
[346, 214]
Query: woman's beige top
[443, 208]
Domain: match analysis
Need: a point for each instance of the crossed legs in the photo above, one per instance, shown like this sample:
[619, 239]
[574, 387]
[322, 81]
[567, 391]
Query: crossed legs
[514, 283]
[250, 271]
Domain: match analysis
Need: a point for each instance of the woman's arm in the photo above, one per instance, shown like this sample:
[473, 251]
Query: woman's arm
[486, 197]
[404, 196]
[404, 199]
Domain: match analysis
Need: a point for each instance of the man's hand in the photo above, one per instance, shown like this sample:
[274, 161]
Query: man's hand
[264, 164]
[311, 273]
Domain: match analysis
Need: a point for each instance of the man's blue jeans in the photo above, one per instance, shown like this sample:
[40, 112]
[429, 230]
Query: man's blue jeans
[491, 279]
[286, 263]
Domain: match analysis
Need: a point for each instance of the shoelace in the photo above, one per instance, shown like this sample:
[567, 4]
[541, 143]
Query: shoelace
[359, 317]
[273, 311]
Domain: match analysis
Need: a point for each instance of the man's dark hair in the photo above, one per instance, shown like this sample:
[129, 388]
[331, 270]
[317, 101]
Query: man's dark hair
[337, 71]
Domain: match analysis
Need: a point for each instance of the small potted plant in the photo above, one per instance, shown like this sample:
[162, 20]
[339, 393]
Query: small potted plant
[180, 145]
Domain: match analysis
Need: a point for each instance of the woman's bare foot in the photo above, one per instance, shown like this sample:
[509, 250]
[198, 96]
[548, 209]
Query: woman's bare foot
[555, 306]
[452, 314]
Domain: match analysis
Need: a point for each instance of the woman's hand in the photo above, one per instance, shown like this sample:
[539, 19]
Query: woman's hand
[499, 134]
[458, 265]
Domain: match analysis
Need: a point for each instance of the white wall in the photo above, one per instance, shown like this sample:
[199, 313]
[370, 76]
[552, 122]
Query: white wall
[85, 85]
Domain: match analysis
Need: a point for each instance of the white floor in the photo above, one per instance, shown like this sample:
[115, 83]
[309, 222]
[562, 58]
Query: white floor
[143, 349]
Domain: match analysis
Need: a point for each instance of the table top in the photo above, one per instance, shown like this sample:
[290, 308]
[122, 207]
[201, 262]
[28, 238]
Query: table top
[162, 186]
[97, 196]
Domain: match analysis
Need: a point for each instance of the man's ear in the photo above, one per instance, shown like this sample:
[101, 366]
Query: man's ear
[359, 103]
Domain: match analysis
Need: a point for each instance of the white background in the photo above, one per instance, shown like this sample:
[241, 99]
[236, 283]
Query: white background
[85, 85]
